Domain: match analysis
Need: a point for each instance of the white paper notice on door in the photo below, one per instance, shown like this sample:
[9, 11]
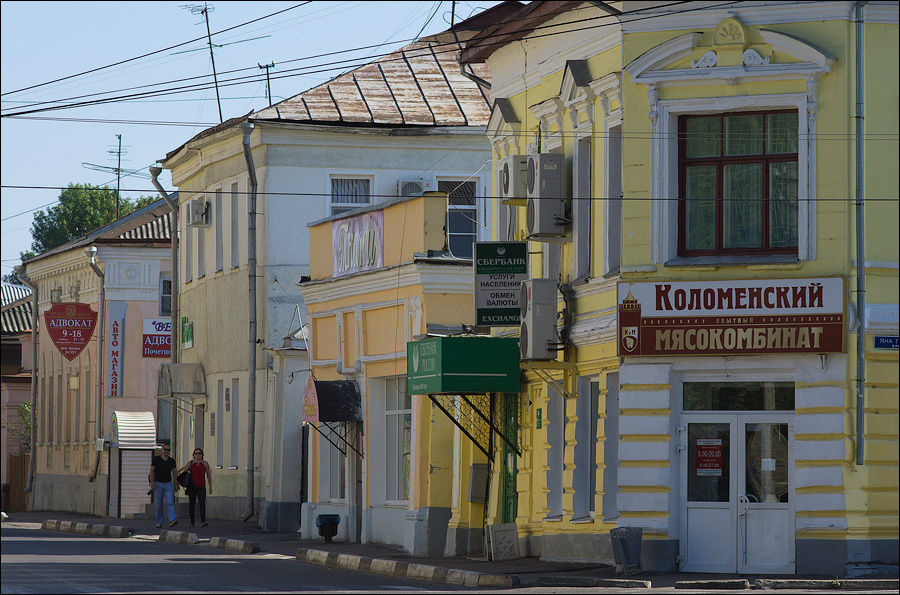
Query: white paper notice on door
[767, 465]
[709, 457]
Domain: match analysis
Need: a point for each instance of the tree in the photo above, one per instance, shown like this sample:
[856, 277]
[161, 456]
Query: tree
[13, 276]
[82, 208]
[20, 430]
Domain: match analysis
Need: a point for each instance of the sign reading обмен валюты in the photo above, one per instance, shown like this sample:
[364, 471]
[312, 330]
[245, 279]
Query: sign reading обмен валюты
[754, 316]
[500, 268]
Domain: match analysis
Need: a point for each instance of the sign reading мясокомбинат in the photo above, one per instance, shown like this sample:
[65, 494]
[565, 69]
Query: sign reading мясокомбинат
[754, 316]
[500, 268]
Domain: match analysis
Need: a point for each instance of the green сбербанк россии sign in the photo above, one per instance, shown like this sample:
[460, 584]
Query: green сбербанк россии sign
[462, 365]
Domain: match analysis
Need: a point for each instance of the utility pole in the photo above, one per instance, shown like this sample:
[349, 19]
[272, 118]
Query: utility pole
[118, 173]
[268, 82]
[205, 9]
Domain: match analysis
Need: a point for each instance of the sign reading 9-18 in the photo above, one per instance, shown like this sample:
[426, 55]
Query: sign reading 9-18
[70, 326]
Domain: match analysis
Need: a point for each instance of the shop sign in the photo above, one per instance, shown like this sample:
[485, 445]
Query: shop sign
[157, 337]
[187, 333]
[310, 402]
[761, 316]
[500, 268]
[461, 365]
[358, 243]
[886, 342]
[115, 352]
[709, 457]
[70, 326]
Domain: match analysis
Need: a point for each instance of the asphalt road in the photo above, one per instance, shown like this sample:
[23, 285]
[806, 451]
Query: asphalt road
[36, 561]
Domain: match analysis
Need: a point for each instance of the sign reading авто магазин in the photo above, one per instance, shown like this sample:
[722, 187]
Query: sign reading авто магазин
[500, 268]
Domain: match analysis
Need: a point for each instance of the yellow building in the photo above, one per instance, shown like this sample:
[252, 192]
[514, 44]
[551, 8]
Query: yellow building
[686, 178]
[381, 275]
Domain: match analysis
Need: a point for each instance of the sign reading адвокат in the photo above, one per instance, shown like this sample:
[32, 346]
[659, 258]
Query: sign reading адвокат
[757, 316]
[500, 268]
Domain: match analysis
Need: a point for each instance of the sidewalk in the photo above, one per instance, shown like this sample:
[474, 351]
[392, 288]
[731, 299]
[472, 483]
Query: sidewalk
[386, 559]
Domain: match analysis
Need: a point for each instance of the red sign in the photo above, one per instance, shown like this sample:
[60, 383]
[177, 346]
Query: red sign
[70, 326]
[709, 457]
[157, 337]
[732, 317]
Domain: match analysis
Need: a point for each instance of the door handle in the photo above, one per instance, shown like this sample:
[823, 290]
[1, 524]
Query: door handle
[743, 504]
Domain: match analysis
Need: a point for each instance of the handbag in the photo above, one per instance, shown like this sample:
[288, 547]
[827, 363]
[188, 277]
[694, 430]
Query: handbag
[184, 479]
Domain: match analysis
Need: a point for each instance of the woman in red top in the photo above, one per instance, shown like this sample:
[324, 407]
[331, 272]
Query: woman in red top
[199, 470]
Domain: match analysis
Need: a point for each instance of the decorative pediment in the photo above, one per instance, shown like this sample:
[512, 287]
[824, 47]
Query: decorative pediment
[503, 127]
[575, 92]
[550, 111]
[729, 52]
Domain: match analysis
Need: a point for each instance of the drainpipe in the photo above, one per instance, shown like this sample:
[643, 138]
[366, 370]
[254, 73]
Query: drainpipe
[860, 245]
[20, 271]
[251, 271]
[91, 251]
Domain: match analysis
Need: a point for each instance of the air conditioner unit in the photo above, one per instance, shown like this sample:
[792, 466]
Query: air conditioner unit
[512, 179]
[546, 208]
[198, 213]
[538, 313]
[413, 187]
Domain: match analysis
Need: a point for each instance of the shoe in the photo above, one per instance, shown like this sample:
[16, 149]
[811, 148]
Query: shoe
[203, 524]
[158, 525]
[173, 523]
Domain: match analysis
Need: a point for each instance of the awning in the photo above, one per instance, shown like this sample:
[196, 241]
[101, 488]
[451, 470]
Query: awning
[182, 381]
[334, 400]
[133, 429]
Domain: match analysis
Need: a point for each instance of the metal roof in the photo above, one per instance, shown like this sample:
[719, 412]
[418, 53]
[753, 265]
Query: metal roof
[14, 293]
[133, 429]
[16, 309]
[418, 85]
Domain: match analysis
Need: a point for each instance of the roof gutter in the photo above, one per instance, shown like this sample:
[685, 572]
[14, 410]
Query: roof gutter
[23, 276]
[101, 276]
[860, 244]
[247, 128]
[173, 205]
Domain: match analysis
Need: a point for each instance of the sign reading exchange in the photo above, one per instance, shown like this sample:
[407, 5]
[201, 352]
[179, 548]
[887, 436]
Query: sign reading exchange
[70, 326]
[732, 317]
[500, 268]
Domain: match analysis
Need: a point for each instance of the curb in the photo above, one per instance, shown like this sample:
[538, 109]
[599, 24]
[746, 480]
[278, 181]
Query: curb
[423, 572]
[736, 584]
[234, 545]
[86, 528]
[828, 584]
[179, 537]
[586, 581]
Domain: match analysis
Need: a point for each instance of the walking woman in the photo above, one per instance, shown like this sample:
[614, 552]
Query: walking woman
[199, 470]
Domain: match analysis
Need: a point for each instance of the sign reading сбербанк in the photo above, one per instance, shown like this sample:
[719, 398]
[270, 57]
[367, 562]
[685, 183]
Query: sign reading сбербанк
[500, 268]
[753, 316]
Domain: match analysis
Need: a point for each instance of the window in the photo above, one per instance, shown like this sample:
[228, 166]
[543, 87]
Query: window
[738, 183]
[349, 193]
[585, 477]
[235, 234]
[201, 252]
[613, 204]
[337, 466]
[610, 446]
[462, 216]
[165, 294]
[217, 213]
[556, 428]
[220, 416]
[188, 247]
[581, 210]
[235, 421]
[398, 434]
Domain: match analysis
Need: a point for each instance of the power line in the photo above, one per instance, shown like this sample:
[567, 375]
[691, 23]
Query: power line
[351, 62]
[153, 52]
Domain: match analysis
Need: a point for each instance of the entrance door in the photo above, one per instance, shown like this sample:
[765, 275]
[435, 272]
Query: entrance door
[737, 493]
[510, 498]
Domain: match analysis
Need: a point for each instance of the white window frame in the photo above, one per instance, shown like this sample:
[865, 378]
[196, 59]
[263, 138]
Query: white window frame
[188, 245]
[349, 175]
[612, 234]
[664, 168]
[478, 207]
[235, 245]
[162, 278]
[398, 413]
[217, 213]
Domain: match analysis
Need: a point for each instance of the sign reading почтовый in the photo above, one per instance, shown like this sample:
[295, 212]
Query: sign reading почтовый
[756, 316]
[500, 268]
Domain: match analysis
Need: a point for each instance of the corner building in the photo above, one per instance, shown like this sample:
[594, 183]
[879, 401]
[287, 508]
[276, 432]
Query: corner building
[709, 305]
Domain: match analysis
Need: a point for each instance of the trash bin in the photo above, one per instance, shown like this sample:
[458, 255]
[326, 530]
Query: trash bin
[328, 525]
[626, 545]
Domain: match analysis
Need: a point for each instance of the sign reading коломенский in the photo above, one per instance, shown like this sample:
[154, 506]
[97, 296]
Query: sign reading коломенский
[754, 316]
[500, 268]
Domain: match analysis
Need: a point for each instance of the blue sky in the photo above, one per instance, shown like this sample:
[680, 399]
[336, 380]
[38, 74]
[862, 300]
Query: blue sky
[42, 41]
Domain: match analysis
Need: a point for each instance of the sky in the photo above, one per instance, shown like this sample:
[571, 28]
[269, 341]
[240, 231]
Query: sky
[44, 41]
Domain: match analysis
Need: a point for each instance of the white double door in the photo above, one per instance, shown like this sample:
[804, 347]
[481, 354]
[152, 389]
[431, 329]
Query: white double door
[737, 493]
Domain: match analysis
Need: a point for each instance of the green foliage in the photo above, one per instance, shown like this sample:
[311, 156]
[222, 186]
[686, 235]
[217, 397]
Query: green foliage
[13, 276]
[20, 430]
[82, 208]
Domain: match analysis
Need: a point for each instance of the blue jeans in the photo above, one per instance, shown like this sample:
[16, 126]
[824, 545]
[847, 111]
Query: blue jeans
[165, 492]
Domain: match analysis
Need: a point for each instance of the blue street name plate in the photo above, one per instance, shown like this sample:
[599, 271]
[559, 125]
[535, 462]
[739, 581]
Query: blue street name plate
[886, 342]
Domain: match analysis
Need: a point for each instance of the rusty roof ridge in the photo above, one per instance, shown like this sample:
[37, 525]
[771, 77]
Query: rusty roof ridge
[418, 86]
[334, 101]
[391, 91]
[362, 95]
[449, 86]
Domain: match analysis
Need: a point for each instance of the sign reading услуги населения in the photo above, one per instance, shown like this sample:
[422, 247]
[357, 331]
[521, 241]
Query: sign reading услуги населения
[753, 316]
[500, 268]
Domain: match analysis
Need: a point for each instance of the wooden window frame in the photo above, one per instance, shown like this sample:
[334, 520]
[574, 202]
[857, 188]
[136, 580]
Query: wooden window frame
[763, 158]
